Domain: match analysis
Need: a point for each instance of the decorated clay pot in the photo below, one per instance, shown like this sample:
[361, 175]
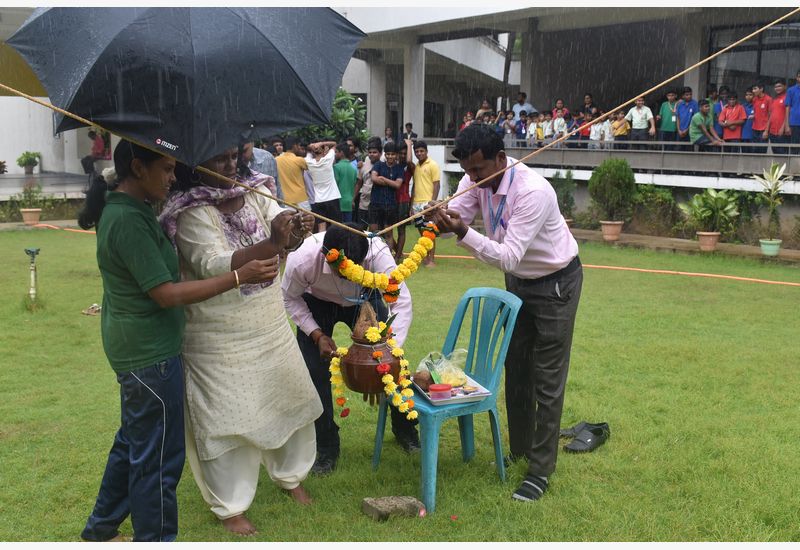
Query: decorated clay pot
[359, 367]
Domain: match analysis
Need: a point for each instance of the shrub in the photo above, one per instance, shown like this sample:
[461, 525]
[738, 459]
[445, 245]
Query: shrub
[655, 211]
[565, 192]
[348, 120]
[28, 158]
[712, 211]
[612, 188]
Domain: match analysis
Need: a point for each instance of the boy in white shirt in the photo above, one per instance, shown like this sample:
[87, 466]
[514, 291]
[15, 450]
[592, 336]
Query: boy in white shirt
[320, 158]
[608, 133]
[558, 128]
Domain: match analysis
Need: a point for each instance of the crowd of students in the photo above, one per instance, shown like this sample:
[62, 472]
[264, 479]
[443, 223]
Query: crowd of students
[722, 119]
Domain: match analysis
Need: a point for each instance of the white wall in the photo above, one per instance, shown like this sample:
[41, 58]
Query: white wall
[29, 127]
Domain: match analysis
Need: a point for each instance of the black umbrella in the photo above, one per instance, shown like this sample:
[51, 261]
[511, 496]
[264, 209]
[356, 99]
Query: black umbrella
[190, 81]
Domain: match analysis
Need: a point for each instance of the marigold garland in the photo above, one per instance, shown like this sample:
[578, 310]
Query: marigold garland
[388, 284]
[398, 393]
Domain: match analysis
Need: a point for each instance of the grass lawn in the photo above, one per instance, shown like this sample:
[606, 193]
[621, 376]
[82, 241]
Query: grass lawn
[697, 378]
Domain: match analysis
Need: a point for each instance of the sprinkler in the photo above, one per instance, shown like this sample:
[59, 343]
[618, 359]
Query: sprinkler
[32, 253]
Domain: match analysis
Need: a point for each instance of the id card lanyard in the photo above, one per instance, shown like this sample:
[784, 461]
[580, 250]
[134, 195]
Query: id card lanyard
[497, 219]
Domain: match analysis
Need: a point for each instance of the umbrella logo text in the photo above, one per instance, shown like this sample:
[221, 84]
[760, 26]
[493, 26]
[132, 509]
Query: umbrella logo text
[166, 144]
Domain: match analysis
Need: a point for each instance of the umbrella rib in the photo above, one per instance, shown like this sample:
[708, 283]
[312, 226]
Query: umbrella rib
[302, 82]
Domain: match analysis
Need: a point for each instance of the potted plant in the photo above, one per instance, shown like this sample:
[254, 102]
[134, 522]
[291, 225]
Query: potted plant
[564, 187]
[612, 188]
[30, 204]
[772, 181]
[711, 213]
[3, 167]
[28, 160]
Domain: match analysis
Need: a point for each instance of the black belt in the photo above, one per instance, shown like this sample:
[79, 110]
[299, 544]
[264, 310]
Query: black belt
[566, 270]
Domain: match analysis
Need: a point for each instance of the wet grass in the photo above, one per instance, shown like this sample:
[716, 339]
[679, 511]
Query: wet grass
[697, 378]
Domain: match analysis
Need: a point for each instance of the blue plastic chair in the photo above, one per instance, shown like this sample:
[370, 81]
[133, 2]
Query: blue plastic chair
[494, 313]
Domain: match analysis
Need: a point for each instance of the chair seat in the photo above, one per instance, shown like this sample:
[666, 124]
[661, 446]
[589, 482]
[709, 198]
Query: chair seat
[450, 410]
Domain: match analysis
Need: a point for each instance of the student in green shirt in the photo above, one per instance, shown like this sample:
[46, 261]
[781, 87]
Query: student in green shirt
[701, 128]
[142, 330]
[668, 120]
[346, 177]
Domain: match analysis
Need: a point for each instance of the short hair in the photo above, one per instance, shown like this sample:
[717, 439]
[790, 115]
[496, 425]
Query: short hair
[92, 134]
[523, 94]
[587, 94]
[291, 141]
[355, 140]
[711, 88]
[732, 95]
[686, 90]
[355, 246]
[409, 124]
[390, 147]
[523, 112]
[419, 144]
[672, 91]
[476, 138]
[702, 102]
[779, 81]
[725, 89]
[276, 139]
[343, 148]
[757, 85]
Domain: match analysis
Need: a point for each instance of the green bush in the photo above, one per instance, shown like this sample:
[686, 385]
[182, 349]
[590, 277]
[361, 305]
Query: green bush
[565, 192]
[712, 210]
[655, 211]
[28, 158]
[348, 120]
[612, 188]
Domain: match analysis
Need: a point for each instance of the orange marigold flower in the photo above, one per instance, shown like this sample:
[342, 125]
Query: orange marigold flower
[341, 401]
[377, 354]
[332, 255]
[393, 287]
[429, 235]
[410, 403]
[390, 298]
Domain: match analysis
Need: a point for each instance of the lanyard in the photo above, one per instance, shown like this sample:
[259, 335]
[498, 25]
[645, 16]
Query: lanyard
[496, 219]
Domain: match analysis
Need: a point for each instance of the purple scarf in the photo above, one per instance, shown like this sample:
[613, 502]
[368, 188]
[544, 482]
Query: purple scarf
[203, 195]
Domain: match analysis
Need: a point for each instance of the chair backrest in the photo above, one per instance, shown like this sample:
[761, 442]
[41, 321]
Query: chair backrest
[494, 314]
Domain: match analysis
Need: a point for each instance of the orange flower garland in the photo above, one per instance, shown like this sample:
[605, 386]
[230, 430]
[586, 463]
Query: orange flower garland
[388, 284]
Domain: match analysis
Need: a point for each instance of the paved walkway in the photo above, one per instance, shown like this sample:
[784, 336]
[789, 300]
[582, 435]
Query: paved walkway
[789, 256]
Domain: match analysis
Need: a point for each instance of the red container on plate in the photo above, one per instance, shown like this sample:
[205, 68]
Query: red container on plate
[440, 391]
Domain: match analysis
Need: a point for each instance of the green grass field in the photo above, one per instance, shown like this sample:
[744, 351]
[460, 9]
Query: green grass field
[697, 378]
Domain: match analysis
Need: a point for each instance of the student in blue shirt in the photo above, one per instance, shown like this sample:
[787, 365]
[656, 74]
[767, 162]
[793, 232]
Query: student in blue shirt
[685, 110]
[747, 129]
[719, 104]
[792, 104]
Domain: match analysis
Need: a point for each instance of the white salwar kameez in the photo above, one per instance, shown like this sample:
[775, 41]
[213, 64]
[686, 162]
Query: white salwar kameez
[249, 397]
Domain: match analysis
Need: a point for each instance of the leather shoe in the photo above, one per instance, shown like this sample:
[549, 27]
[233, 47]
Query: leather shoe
[324, 465]
[409, 443]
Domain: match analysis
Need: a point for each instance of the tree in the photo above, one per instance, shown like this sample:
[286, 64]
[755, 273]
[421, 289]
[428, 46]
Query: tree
[348, 120]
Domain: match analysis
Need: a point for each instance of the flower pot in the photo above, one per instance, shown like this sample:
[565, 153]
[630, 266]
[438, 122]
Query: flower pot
[358, 366]
[30, 215]
[708, 240]
[28, 170]
[611, 230]
[770, 247]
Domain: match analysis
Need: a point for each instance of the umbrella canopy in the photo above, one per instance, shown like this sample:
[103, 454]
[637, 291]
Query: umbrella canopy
[190, 81]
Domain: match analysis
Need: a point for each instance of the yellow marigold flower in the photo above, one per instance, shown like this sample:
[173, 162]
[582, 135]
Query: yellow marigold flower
[368, 279]
[338, 392]
[335, 371]
[412, 265]
[392, 342]
[405, 372]
[381, 325]
[405, 382]
[421, 250]
[397, 352]
[404, 270]
[404, 363]
[391, 386]
[425, 242]
[373, 334]
[407, 392]
[402, 407]
[341, 352]
[387, 378]
[412, 415]
[336, 380]
[334, 367]
[397, 276]
[415, 257]
[397, 400]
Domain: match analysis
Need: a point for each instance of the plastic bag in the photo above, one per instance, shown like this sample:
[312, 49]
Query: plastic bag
[446, 370]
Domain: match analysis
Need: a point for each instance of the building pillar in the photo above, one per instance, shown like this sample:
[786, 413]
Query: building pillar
[376, 98]
[414, 88]
[527, 64]
[694, 51]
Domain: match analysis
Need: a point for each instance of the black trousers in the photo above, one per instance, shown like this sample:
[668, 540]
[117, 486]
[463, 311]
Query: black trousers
[327, 314]
[538, 361]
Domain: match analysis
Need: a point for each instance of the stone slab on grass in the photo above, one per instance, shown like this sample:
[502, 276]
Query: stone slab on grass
[381, 508]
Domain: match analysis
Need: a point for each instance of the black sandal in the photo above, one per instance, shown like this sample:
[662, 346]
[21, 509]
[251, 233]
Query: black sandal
[573, 431]
[590, 438]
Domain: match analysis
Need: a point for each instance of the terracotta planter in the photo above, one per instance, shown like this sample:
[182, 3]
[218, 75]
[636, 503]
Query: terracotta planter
[30, 215]
[358, 366]
[770, 247]
[611, 230]
[708, 240]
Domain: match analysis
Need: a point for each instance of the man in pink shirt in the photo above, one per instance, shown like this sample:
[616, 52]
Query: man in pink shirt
[527, 238]
[316, 299]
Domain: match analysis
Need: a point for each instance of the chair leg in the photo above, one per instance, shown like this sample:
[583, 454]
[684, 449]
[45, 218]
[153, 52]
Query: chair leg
[467, 431]
[383, 407]
[429, 438]
[499, 460]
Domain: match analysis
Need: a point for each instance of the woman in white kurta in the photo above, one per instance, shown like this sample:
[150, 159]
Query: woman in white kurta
[249, 397]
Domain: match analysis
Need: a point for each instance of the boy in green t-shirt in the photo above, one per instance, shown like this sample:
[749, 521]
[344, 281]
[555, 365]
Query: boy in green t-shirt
[667, 120]
[345, 176]
[701, 128]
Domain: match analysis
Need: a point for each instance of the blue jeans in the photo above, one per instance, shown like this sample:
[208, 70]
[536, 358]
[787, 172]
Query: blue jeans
[146, 461]
[779, 139]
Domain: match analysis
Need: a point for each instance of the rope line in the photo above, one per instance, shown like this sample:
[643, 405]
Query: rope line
[600, 119]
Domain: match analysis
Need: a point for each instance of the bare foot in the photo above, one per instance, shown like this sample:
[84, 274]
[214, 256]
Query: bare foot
[300, 495]
[240, 525]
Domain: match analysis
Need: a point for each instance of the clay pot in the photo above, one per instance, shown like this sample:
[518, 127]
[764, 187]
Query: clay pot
[708, 240]
[611, 230]
[30, 215]
[358, 366]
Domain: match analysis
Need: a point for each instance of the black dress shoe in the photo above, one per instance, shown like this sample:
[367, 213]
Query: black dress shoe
[409, 443]
[324, 465]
